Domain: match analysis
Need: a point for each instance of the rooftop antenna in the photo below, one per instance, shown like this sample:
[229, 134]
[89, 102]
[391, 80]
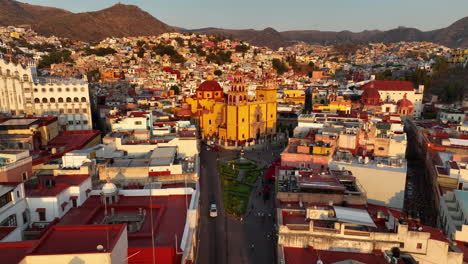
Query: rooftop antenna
[152, 226]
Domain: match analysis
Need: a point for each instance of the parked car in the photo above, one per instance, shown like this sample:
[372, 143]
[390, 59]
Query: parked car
[213, 210]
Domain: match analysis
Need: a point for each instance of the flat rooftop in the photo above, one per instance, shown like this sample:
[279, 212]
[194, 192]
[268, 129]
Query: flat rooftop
[169, 217]
[310, 255]
[462, 196]
[62, 182]
[78, 239]
[163, 156]
[14, 252]
[20, 122]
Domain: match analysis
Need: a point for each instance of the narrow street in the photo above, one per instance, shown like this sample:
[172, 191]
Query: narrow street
[419, 195]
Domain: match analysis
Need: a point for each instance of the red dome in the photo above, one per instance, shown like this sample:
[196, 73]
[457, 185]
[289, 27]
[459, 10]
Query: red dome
[404, 103]
[209, 86]
[370, 96]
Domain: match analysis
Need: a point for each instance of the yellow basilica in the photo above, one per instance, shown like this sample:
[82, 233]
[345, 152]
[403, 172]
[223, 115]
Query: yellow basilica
[233, 118]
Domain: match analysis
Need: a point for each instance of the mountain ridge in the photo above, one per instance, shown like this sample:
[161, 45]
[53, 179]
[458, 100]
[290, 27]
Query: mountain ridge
[122, 20]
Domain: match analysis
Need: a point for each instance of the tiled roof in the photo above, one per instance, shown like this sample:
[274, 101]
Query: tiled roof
[389, 86]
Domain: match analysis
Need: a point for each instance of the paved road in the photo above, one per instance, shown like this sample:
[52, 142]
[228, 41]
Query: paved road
[225, 239]
[419, 195]
[221, 239]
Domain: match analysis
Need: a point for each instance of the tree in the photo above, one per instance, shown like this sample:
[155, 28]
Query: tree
[218, 72]
[279, 66]
[55, 57]
[385, 75]
[242, 48]
[141, 43]
[175, 88]
[93, 75]
[99, 51]
[180, 41]
[141, 53]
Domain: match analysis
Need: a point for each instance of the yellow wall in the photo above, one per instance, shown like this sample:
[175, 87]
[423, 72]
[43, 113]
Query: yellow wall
[47, 132]
[239, 119]
[333, 107]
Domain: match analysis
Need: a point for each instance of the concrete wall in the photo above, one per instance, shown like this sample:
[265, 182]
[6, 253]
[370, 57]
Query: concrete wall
[320, 198]
[16, 207]
[104, 258]
[14, 172]
[383, 186]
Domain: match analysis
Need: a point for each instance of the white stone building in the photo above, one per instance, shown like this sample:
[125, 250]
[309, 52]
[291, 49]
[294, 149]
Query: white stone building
[14, 214]
[22, 92]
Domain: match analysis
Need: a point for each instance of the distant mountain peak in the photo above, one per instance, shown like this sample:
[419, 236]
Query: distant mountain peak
[271, 30]
[122, 20]
[118, 20]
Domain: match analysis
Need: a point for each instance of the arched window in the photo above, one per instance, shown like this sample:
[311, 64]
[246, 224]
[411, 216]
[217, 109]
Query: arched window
[44, 100]
[8, 73]
[67, 89]
[60, 100]
[76, 99]
[25, 77]
[82, 89]
[75, 89]
[258, 118]
[83, 99]
[52, 100]
[59, 90]
[69, 100]
[36, 100]
[51, 90]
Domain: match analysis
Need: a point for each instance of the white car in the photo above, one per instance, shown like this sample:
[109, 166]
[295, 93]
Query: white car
[213, 210]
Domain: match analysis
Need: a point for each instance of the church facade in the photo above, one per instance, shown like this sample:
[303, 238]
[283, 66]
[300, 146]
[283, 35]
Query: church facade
[234, 118]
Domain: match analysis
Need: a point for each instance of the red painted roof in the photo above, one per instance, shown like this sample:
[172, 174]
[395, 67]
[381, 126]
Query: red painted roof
[66, 141]
[463, 246]
[405, 102]
[6, 230]
[169, 215]
[62, 182]
[209, 85]
[389, 86]
[371, 93]
[78, 239]
[14, 252]
[310, 255]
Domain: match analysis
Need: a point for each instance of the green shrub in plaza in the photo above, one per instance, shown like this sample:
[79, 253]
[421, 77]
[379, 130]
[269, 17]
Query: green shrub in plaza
[252, 176]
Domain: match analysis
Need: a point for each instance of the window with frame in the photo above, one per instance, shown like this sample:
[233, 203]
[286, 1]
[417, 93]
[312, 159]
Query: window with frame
[419, 245]
[9, 221]
[42, 216]
[25, 217]
[24, 175]
[137, 123]
[5, 199]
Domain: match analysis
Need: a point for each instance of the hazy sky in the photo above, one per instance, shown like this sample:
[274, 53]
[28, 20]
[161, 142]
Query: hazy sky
[336, 15]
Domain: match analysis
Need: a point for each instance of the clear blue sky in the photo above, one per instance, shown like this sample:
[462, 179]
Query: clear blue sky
[336, 15]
